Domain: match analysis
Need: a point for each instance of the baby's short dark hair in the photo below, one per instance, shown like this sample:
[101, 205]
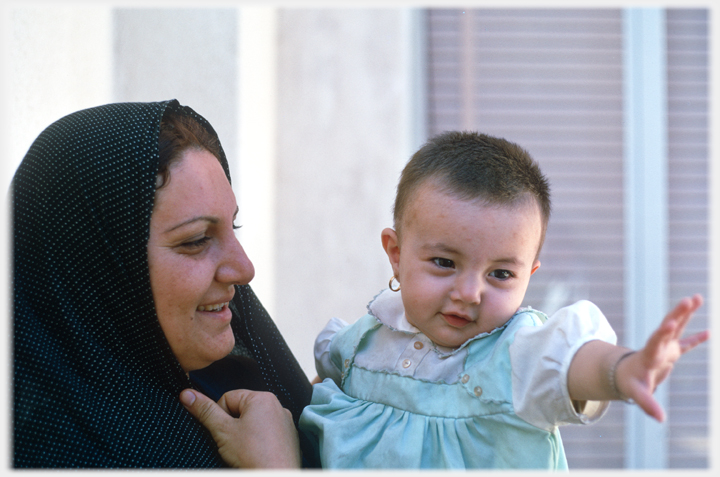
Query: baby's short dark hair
[475, 166]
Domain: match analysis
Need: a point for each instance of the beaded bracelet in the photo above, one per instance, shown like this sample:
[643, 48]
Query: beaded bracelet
[613, 382]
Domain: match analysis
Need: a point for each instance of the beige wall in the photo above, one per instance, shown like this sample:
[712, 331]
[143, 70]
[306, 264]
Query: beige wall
[343, 107]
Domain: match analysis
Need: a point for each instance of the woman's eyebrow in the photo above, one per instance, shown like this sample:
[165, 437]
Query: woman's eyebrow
[212, 220]
[206, 218]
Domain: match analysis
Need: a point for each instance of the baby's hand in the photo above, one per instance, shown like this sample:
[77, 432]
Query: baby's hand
[639, 374]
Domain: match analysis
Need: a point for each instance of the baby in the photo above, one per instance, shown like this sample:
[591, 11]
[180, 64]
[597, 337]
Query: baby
[446, 371]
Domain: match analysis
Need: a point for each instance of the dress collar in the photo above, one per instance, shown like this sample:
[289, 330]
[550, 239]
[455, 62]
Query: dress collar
[387, 308]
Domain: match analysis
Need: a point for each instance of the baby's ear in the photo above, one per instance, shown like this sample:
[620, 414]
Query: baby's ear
[535, 266]
[391, 244]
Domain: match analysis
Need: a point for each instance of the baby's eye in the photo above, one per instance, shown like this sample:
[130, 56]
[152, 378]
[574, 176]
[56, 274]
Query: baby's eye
[444, 263]
[235, 227]
[501, 274]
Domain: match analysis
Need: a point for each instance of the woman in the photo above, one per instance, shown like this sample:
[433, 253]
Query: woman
[106, 332]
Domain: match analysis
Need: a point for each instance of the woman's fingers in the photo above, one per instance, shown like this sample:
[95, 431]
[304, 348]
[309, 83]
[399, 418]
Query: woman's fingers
[204, 409]
[251, 429]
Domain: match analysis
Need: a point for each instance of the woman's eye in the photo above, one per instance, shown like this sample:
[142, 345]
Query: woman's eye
[501, 274]
[444, 263]
[194, 244]
[235, 227]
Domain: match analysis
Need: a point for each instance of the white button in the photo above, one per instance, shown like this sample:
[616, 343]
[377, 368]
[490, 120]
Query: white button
[347, 363]
[478, 391]
[465, 379]
[406, 363]
[418, 345]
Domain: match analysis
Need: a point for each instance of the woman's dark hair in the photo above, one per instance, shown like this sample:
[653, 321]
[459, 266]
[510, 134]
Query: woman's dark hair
[178, 133]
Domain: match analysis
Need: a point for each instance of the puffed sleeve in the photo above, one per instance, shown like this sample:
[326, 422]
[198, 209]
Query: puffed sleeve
[323, 364]
[540, 358]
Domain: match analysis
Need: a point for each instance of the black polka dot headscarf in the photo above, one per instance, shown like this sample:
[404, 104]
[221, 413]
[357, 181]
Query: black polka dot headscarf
[95, 383]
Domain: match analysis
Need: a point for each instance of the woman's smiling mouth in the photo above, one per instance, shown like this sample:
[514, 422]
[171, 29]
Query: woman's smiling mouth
[216, 307]
[219, 313]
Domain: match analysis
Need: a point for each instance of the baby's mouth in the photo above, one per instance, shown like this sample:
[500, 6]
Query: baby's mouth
[456, 321]
[216, 307]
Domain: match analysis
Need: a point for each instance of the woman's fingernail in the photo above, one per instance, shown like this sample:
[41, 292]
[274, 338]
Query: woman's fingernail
[187, 397]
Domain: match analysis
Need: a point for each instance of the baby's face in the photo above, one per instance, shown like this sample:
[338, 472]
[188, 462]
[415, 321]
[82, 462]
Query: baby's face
[463, 267]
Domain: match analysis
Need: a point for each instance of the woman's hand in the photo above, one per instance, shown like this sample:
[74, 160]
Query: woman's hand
[638, 375]
[251, 428]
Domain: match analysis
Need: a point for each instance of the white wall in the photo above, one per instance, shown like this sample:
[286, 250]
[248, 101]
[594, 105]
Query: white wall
[188, 54]
[340, 92]
[58, 60]
[314, 108]
[55, 61]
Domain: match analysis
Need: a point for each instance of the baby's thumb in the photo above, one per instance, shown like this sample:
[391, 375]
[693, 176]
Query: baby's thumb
[652, 408]
[204, 409]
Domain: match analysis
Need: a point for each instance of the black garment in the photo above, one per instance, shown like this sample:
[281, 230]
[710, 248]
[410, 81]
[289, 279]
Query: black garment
[95, 383]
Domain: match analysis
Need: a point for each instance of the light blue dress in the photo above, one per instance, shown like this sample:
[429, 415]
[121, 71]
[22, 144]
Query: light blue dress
[378, 416]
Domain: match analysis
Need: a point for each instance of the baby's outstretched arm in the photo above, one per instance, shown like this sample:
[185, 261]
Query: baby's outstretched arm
[601, 371]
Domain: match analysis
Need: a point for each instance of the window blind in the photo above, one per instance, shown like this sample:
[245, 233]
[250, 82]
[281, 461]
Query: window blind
[551, 80]
[687, 38]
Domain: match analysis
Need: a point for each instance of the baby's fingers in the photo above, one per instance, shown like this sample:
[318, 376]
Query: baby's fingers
[656, 345]
[647, 403]
[686, 344]
[682, 313]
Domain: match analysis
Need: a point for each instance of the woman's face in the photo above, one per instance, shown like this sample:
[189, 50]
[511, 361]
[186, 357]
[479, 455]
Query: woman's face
[195, 259]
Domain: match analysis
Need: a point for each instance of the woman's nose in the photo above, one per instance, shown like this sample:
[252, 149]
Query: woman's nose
[235, 268]
[468, 289]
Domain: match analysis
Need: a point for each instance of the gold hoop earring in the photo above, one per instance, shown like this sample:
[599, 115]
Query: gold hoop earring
[390, 285]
